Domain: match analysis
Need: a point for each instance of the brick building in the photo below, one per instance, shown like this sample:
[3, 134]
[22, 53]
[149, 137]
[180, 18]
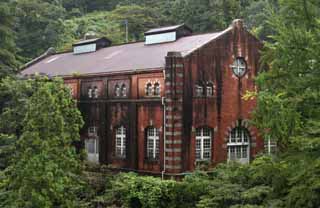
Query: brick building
[165, 104]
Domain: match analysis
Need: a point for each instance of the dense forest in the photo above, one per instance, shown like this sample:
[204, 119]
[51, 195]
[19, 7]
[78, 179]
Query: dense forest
[39, 122]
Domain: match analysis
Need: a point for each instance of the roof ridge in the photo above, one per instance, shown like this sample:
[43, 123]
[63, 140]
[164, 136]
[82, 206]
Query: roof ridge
[47, 53]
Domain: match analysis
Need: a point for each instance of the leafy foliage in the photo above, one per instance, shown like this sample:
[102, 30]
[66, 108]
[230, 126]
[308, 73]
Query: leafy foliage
[38, 27]
[45, 169]
[7, 51]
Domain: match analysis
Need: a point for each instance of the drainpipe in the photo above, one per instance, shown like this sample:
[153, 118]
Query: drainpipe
[164, 132]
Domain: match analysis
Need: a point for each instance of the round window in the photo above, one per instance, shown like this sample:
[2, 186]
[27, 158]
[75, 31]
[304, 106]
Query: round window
[239, 67]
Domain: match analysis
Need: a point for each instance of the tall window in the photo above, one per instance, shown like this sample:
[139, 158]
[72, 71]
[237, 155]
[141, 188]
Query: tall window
[209, 89]
[199, 90]
[152, 143]
[95, 92]
[156, 89]
[238, 145]
[90, 92]
[203, 143]
[123, 90]
[117, 91]
[149, 89]
[121, 142]
[92, 145]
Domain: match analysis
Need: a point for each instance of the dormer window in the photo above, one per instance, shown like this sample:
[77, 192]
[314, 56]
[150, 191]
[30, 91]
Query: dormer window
[95, 92]
[123, 90]
[117, 91]
[149, 89]
[166, 34]
[199, 90]
[210, 89]
[90, 45]
[156, 89]
[90, 92]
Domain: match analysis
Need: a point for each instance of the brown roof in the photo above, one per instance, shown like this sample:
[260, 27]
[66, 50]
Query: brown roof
[121, 58]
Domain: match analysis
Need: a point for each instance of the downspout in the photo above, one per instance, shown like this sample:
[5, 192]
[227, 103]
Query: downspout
[164, 132]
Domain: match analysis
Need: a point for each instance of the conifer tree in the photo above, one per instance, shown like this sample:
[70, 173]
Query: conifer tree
[45, 168]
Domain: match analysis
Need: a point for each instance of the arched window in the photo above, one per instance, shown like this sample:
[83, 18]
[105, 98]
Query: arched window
[210, 89]
[156, 89]
[199, 90]
[152, 143]
[121, 142]
[123, 90]
[90, 92]
[239, 145]
[149, 89]
[203, 143]
[95, 92]
[117, 91]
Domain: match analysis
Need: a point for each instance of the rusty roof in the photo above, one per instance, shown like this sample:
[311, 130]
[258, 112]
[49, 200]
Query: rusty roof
[116, 59]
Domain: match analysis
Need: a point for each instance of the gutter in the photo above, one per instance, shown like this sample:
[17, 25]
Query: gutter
[164, 133]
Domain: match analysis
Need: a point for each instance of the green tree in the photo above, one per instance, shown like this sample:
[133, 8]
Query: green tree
[290, 89]
[8, 62]
[45, 169]
[38, 26]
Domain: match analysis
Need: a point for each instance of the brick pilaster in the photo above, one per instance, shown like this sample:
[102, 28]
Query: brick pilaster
[174, 75]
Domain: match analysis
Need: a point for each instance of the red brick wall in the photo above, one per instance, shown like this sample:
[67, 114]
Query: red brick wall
[184, 111]
[226, 107]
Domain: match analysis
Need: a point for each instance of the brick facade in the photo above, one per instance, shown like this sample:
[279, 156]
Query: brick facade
[177, 111]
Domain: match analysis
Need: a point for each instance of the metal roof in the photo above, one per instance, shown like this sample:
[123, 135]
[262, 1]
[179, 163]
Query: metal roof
[165, 29]
[94, 40]
[117, 59]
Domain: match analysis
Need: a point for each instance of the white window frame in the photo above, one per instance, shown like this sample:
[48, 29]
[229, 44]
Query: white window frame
[95, 92]
[123, 90]
[270, 146]
[90, 92]
[117, 91]
[199, 91]
[239, 67]
[157, 89]
[202, 135]
[120, 142]
[153, 142]
[239, 145]
[149, 89]
[210, 88]
[94, 155]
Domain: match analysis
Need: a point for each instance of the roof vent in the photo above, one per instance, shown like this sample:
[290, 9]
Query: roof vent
[166, 34]
[90, 45]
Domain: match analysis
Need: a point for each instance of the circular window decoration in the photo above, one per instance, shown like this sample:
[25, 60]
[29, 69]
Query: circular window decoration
[239, 67]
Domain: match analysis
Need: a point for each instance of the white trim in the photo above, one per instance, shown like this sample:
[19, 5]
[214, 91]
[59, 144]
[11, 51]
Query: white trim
[239, 145]
[92, 149]
[120, 142]
[152, 143]
[202, 136]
